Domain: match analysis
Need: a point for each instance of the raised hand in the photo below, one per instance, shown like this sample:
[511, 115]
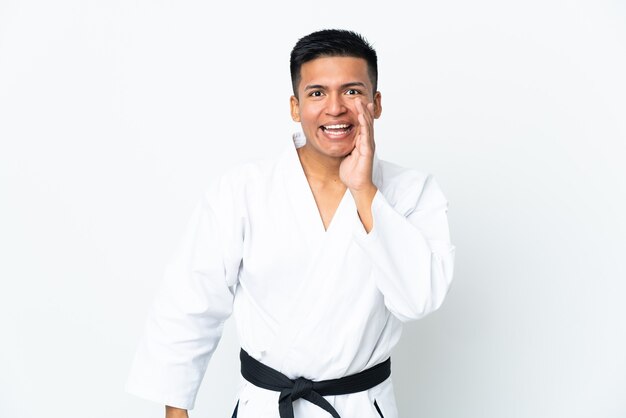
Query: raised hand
[356, 168]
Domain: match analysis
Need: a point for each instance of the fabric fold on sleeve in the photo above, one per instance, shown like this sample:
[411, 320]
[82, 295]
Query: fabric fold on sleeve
[186, 320]
[412, 254]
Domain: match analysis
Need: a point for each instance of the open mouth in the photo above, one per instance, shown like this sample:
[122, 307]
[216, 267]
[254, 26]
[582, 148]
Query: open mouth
[337, 131]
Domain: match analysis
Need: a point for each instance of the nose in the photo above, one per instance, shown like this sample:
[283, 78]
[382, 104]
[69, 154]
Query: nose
[335, 105]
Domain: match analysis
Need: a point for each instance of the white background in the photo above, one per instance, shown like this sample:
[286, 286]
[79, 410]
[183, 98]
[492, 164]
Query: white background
[114, 116]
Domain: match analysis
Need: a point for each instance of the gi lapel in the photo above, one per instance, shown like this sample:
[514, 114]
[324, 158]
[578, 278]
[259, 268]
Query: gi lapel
[326, 249]
[300, 197]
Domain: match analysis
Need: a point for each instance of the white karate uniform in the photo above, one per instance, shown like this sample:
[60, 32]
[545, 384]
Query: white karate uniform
[308, 302]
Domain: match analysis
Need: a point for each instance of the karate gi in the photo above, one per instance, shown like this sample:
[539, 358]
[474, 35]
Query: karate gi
[308, 302]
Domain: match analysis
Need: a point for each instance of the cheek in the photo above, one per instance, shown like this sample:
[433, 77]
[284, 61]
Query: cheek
[309, 115]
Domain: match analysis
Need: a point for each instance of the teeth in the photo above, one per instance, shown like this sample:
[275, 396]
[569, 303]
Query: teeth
[343, 126]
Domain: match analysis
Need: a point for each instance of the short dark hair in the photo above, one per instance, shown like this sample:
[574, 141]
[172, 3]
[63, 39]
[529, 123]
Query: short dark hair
[332, 43]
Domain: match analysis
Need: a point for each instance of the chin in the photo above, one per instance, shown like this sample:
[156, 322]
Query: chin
[339, 153]
[340, 149]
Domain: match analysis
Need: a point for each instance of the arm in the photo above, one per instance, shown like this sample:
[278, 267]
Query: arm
[409, 245]
[193, 302]
[356, 168]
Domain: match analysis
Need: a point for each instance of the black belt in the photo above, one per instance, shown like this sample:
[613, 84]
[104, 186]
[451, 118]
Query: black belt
[265, 377]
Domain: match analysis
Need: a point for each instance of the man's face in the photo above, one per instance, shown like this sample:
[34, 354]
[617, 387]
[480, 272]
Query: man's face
[328, 90]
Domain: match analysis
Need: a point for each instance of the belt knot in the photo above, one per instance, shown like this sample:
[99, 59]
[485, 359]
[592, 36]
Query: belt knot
[301, 388]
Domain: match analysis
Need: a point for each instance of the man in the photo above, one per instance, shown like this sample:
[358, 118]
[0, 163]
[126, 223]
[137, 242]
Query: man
[321, 255]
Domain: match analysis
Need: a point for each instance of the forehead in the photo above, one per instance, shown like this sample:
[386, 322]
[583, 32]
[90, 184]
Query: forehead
[332, 71]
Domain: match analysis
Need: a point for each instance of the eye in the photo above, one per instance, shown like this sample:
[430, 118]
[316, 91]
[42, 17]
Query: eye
[351, 92]
[315, 93]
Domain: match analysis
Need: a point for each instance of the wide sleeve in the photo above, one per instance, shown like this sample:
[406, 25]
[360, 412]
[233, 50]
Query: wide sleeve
[195, 298]
[410, 249]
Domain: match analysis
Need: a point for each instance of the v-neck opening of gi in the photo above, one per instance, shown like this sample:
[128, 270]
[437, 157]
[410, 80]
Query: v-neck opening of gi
[311, 195]
[331, 222]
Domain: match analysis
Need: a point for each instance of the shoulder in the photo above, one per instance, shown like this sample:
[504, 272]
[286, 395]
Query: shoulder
[397, 176]
[238, 180]
[408, 188]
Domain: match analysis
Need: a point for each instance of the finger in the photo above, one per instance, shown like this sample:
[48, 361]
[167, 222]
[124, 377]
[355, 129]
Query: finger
[366, 125]
[365, 135]
[370, 108]
[369, 119]
[363, 115]
[357, 144]
[359, 107]
[358, 128]
[364, 109]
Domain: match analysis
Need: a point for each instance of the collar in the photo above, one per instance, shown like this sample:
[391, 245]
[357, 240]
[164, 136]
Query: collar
[299, 139]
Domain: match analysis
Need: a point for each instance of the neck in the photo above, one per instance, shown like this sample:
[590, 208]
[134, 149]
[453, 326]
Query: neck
[320, 167]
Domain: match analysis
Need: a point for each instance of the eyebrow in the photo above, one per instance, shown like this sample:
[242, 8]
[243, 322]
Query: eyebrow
[343, 86]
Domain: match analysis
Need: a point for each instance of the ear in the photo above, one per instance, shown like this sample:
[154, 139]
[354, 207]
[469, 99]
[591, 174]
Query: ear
[295, 108]
[378, 107]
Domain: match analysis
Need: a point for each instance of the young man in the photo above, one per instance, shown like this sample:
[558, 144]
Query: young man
[320, 255]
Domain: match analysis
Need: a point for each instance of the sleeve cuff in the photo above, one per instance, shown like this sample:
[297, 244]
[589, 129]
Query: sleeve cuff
[359, 232]
[154, 396]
